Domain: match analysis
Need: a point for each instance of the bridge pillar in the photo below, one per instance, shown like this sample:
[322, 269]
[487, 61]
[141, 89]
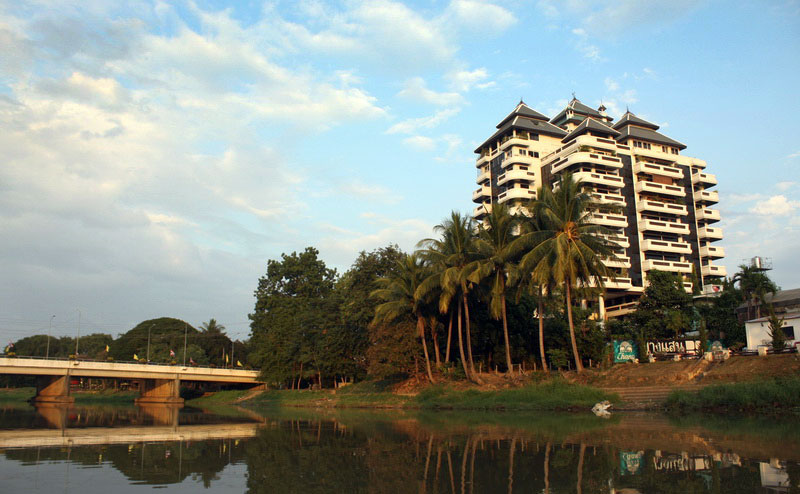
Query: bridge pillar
[53, 389]
[160, 391]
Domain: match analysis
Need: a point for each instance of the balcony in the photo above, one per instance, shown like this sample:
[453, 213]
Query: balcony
[480, 193]
[620, 310]
[515, 141]
[670, 190]
[599, 178]
[708, 215]
[712, 270]
[614, 199]
[525, 175]
[654, 169]
[712, 252]
[620, 262]
[664, 226]
[710, 234]
[664, 246]
[483, 176]
[484, 159]
[671, 266]
[707, 196]
[516, 193]
[618, 283]
[587, 157]
[481, 210]
[706, 179]
[609, 220]
[618, 240]
[656, 152]
[519, 159]
[661, 207]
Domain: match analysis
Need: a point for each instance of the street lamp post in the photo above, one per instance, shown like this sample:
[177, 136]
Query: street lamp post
[148, 342]
[77, 339]
[49, 330]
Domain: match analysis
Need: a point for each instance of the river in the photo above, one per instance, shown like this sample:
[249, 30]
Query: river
[90, 450]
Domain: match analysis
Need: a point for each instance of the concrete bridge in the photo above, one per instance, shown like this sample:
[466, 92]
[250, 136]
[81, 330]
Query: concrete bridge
[158, 383]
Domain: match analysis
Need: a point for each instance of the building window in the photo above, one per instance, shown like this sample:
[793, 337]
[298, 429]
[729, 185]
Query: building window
[788, 331]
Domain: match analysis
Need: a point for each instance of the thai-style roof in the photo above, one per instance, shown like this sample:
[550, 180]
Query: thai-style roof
[590, 124]
[648, 135]
[523, 118]
[630, 119]
[579, 108]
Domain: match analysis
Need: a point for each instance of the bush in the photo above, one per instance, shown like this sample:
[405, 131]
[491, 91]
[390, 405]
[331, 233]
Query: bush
[558, 358]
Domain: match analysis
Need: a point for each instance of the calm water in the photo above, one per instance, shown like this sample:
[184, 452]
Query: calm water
[103, 450]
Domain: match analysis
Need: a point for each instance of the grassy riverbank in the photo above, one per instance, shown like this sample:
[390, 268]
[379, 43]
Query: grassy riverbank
[780, 395]
[554, 394]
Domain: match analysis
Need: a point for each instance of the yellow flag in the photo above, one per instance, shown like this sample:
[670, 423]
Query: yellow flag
[135, 357]
[226, 358]
[106, 348]
[239, 364]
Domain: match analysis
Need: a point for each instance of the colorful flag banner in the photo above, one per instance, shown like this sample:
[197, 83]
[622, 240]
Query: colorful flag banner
[239, 364]
[106, 348]
[135, 357]
[226, 358]
[171, 353]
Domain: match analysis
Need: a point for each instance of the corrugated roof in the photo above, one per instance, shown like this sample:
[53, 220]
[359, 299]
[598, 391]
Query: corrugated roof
[786, 317]
[781, 297]
[648, 135]
[587, 125]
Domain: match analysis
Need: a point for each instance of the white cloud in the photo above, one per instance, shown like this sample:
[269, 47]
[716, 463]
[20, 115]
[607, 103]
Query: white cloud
[794, 155]
[420, 143]
[776, 206]
[611, 84]
[412, 125]
[784, 186]
[479, 15]
[416, 89]
[370, 192]
[465, 80]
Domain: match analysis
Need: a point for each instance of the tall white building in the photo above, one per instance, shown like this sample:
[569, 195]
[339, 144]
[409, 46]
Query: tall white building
[662, 217]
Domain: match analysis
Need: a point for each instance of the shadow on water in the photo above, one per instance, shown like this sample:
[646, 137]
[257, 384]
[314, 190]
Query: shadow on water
[311, 451]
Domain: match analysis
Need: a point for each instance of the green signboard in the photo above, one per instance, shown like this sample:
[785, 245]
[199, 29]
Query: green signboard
[624, 351]
[630, 462]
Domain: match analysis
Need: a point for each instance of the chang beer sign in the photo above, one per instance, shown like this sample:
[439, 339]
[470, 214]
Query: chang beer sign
[630, 462]
[624, 351]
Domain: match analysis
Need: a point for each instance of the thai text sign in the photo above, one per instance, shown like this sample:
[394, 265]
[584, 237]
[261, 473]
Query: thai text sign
[673, 346]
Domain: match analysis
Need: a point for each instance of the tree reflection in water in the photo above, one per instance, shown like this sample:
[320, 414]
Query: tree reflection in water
[456, 454]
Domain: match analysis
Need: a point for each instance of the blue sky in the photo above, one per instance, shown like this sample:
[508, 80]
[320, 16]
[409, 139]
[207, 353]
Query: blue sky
[156, 155]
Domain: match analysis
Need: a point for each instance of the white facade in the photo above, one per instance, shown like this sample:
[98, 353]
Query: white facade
[757, 331]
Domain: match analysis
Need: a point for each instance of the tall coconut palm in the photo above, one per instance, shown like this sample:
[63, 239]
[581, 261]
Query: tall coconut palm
[536, 275]
[452, 259]
[399, 302]
[495, 260]
[754, 285]
[568, 243]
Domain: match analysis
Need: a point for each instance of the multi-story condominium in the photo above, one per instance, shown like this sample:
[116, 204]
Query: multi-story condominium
[661, 216]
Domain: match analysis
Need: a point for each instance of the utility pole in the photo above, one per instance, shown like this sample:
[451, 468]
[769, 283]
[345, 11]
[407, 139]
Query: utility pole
[49, 330]
[185, 329]
[231, 354]
[77, 339]
[148, 342]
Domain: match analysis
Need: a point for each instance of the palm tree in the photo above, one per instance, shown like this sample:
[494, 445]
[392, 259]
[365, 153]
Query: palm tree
[212, 327]
[494, 246]
[452, 259]
[536, 277]
[399, 302]
[568, 245]
[754, 285]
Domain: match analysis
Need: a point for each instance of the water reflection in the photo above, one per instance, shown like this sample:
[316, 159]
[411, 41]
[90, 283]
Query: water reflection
[425, 453]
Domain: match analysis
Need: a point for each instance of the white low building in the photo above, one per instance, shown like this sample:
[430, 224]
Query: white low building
[757, 331]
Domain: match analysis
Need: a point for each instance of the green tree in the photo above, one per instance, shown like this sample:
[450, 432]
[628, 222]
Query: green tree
[664, 310]
[569, 244]
[400, 302]
[452, 258]
[165, 333]
[350, 343]
[496, 261]
[292, 311]
[776, 331]
[754, 285]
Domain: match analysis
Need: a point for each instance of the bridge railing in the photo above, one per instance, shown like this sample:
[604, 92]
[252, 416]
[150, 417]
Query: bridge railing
[139, 362]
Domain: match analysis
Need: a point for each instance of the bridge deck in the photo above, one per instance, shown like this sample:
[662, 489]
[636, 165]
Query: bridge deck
[84, 368]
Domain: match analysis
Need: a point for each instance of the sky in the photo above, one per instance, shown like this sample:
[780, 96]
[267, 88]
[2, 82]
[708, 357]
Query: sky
[155, 155]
